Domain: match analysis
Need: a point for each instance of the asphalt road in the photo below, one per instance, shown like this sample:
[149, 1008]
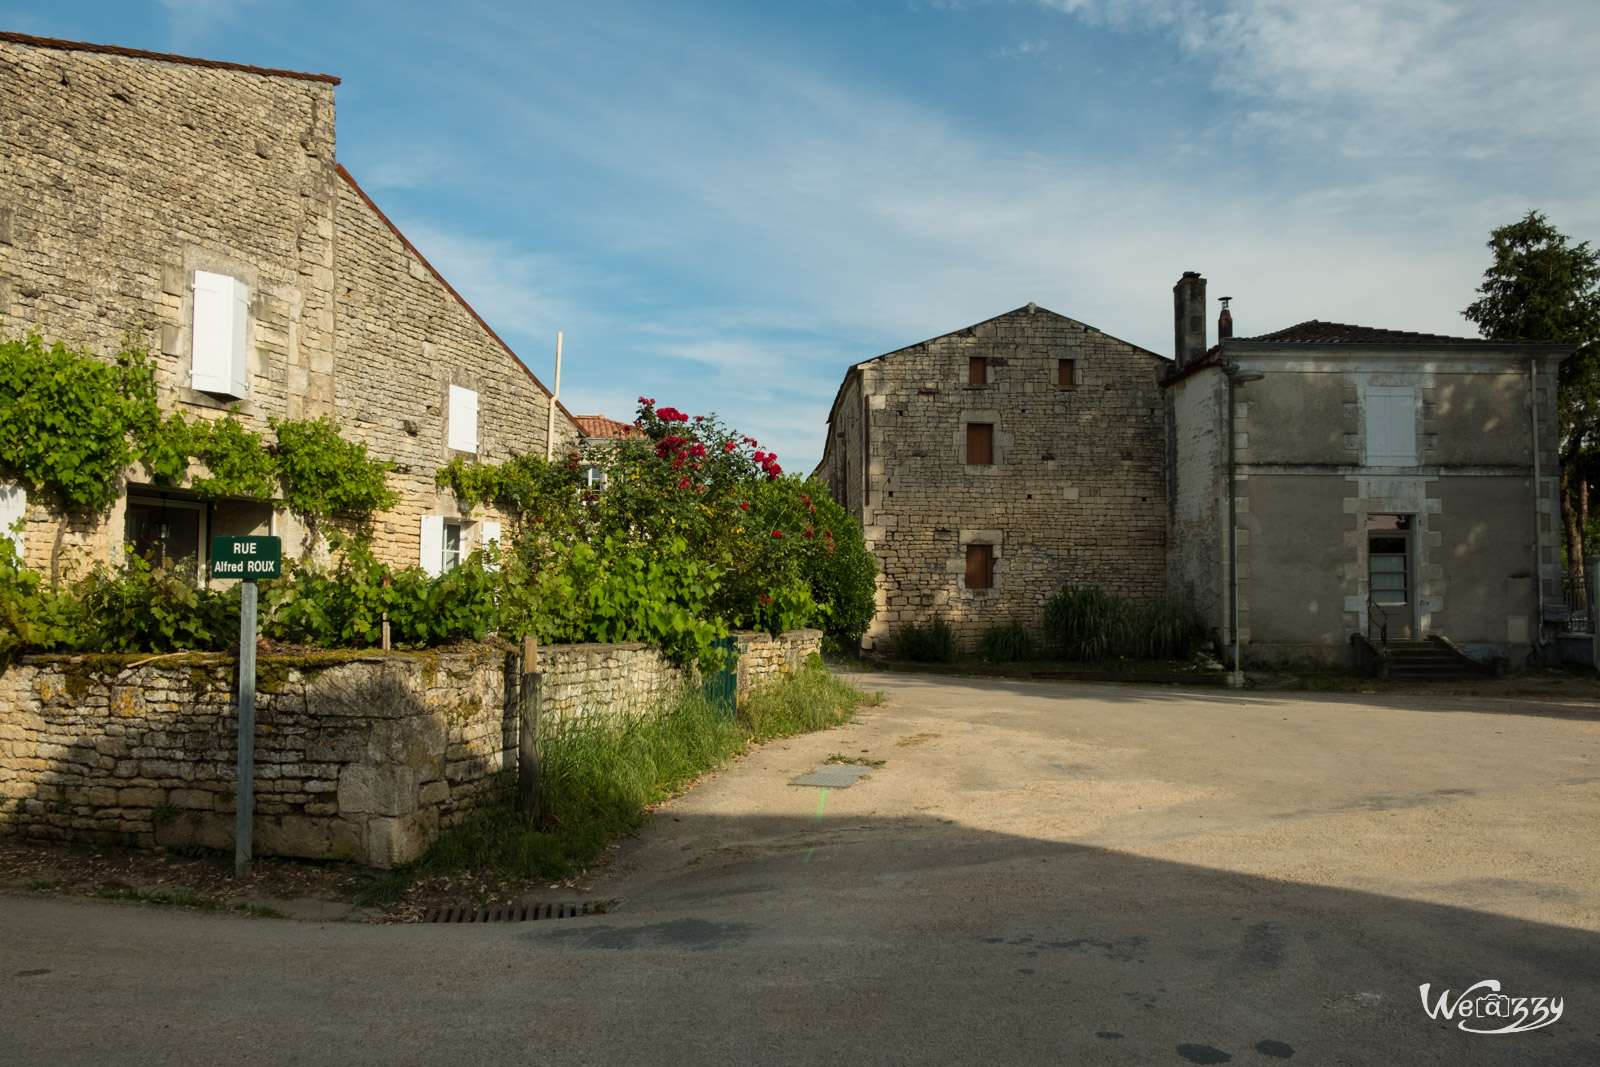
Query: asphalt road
[1038, 874]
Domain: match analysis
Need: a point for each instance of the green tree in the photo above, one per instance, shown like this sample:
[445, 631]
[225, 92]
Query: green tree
[1541, 287]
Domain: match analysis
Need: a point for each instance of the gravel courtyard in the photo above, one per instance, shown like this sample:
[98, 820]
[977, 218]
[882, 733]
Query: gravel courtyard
[1040, 873]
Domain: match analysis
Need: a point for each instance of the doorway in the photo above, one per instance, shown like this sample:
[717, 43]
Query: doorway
[1390, 576]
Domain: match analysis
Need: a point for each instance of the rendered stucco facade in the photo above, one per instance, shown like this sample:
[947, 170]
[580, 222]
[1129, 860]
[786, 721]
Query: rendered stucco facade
[1455, 501]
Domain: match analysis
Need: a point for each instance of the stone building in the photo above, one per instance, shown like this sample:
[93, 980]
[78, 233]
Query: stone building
[992, 464]
[1386, 485]
[198, 207]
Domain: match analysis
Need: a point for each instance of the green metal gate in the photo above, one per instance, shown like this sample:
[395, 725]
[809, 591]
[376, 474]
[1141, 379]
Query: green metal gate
[722, 688]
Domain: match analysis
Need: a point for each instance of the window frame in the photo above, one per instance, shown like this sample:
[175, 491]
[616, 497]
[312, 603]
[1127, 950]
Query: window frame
[987, 431]
[981, 552]
[1066, 369]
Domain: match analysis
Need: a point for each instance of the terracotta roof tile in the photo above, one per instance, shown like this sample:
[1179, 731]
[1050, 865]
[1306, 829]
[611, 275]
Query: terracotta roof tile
[139, 53]
[1338, 333]
[598, 426]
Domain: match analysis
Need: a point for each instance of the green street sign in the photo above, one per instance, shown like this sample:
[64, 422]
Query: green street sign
[246, 557]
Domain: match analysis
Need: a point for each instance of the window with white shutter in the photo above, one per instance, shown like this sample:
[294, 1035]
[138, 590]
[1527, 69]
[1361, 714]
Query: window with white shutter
[221, 325]
[463, 419]
[431, 557]
[13, 508]
[1391, 413]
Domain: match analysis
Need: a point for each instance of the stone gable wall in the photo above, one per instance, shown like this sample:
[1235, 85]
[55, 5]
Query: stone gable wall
[359, 756]
[120, 176]
[1077, 492]
[403, 340]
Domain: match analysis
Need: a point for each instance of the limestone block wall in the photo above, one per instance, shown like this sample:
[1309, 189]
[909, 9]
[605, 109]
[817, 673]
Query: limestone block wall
[122, 173]
[1076, 492]
[359, 756]
[404, 338]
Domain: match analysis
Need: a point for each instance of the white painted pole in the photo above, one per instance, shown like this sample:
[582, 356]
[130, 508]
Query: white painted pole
[550, 427]
[245, 793]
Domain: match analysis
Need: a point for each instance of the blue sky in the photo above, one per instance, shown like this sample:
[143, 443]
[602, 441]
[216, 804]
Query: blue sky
[724, 205]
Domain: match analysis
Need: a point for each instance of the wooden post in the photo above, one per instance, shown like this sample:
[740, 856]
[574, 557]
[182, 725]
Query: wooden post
[528, 732]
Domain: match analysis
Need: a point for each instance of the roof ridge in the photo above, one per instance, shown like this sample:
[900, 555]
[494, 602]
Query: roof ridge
[165, 57]
[362, 193]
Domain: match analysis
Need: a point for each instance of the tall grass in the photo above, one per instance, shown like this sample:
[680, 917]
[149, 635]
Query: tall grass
[933, 643]
[598, 777]
[1094, 625]
[1005, 644]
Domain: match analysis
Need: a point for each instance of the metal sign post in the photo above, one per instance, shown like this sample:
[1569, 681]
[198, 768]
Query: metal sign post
[247, 558]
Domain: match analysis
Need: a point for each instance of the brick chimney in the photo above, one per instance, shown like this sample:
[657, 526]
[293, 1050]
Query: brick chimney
[1224, 321]
[1189, 318]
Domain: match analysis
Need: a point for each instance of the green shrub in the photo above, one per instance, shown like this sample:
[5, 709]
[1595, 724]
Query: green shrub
[140, 607]
[1092, 625]
[32, 616]
[1005, 644]
[933, 643]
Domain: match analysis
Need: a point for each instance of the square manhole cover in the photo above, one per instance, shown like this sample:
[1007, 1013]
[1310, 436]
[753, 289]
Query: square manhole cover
[834, 776]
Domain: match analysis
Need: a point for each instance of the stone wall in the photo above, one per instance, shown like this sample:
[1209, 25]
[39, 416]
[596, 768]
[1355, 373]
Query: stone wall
[359, 756]
[1076, 492]
[121, 174]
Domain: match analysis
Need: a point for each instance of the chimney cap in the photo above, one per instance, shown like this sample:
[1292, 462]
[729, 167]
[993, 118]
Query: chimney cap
[1224, 300]
[1191, 274]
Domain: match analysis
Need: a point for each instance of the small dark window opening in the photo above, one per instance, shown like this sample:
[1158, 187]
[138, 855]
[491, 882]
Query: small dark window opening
[980, 444]
[978, 370]
[980, 566]
[1066, 373]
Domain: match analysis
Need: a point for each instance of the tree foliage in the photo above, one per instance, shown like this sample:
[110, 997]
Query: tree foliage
[1541, 287]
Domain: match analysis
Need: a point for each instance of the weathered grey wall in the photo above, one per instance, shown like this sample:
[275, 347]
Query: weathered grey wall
[1197, 546]
[1306, 489]
[1076, 494]
[359, 756]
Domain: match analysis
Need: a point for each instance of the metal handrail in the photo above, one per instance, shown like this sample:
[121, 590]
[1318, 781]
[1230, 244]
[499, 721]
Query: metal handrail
[1382, 621]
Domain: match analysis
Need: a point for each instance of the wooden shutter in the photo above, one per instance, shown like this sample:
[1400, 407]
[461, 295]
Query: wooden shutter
[1066, 374]
[977, 371]
[431, 556]
[1391, 426]
[463, 419]
[13, 507]
[980, 444]
[980, 566]
[488, 532]
[217, 361]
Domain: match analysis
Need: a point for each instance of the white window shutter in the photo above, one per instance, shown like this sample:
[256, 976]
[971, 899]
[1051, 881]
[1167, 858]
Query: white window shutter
[463, 419]
[489, 533]
[13, 506]
[221, 319]
[1391, 426]
[239, 339]
[432, 555]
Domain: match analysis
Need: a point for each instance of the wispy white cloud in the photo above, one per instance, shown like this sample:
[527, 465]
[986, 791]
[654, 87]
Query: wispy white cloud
[1021, 50]
[1386, 77]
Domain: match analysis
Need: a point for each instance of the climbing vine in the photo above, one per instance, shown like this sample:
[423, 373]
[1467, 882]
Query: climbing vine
[324, 475]
[70, 424]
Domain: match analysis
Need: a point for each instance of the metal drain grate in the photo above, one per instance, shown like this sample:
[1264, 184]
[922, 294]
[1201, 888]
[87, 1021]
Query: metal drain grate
[505, 913]
[834, 776]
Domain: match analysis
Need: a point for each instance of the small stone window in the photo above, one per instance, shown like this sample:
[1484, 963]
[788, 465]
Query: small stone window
[1066, 373]
[978, 370]
[980, 566]
[980, 444]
